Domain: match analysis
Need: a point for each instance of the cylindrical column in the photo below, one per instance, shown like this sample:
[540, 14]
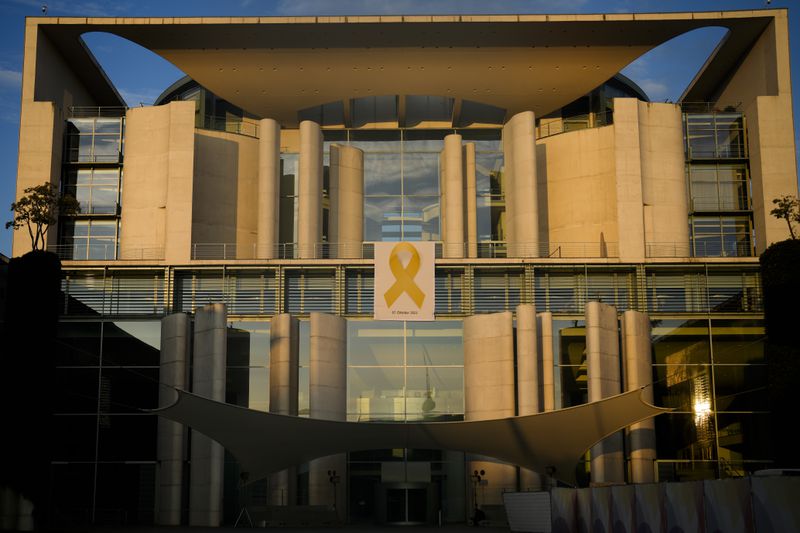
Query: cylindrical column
[636, 352]
[208, 380]
[603, 372]
[453, 183]
[327, 400]
[544, 326]
[489, 394]
[528, 390]
[346, 218]
[471, 200]
[522, 207]
[175, 343]
[269, 168]
[284, 356]
[309, 194]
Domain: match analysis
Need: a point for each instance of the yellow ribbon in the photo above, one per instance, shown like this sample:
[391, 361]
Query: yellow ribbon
[404, 276]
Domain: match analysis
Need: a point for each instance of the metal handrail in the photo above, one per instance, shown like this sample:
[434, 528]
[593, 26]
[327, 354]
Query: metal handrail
[365, 250]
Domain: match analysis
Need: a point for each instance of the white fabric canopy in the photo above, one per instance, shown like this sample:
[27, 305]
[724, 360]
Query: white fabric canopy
[549, 442]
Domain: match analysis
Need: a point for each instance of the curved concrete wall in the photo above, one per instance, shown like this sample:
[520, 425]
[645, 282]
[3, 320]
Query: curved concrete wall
[489, 392]
[522, 187]
[577, 182]
[225, 197]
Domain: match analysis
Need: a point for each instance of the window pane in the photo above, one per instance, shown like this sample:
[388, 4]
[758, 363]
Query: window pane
[420, 173]
[421, 218]
[435, 343]
[375, 394]
[381, 173]
[374, 343]
[434, 392]
[131, 343]
[681, 342]
[382, 218]
[738, 341]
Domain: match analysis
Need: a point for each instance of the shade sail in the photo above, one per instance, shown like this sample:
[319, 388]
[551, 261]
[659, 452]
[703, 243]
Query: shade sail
[545, 442]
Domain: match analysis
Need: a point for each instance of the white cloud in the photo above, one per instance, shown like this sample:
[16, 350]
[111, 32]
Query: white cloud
[10, 79]
[655, 89]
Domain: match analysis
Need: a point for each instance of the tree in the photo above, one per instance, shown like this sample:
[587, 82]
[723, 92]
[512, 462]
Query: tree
[789, 210]
[39, 209]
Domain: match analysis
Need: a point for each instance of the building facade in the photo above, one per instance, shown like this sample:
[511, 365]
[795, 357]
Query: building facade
[588, 241]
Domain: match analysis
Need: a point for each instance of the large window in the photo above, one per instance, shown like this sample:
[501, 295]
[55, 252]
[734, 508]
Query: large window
[718, 187]
[726, 236]
[92, 239]
[405, 370]
[96, 189]
[94, 140]
[715, 136]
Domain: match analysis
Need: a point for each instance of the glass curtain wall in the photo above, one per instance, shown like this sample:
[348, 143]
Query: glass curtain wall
[711, 371]
[720, 212]
[92, 173]
[403, 371]
[104, 466]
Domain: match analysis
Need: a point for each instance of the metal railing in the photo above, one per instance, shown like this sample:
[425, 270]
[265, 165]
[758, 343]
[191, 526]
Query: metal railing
[239, 127]
[96, 111]
[574, 123]
[325, 250]
[698, 249]
[105, 252]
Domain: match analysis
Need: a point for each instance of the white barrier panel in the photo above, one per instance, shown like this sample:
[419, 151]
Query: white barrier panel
[775, 503]
[684, 506]
[622, 505]
[728, 505]
[584, 511]
[601, 510]
[649, 507]
[562, 505]
[528, 511]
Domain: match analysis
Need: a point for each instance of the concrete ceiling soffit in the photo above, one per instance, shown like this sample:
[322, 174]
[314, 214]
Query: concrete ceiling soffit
[275, 67]
[553, 441]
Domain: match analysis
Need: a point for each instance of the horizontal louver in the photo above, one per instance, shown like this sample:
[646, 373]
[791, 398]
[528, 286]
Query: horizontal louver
[111, 293]
[497, 290]
[310, 291]
[359, 291]
[251, 293]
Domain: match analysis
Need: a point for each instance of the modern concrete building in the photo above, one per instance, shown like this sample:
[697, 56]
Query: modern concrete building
[589, 242]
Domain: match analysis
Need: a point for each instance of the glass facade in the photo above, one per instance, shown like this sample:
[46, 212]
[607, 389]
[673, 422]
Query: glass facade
[92, 174]
[718, 182]
[104, 468]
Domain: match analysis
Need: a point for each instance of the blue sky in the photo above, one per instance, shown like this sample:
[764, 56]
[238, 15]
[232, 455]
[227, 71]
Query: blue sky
[140, 75]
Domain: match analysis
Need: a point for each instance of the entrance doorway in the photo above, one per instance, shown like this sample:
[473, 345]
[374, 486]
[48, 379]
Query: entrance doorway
[407, 505]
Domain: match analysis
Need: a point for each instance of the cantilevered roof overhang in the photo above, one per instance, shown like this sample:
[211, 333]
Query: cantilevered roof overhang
[547, 442]
[273, 67]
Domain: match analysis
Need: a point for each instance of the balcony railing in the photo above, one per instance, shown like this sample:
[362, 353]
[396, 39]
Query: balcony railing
[105, 252]
[699, 249]
[491, 249]
[577, 122]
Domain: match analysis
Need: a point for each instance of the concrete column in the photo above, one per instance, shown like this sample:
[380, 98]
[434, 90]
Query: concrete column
[544, 326]
[284, 355]
[528, 390]
[603, 369]
[470, 200]
[327, 400]
[522, 211]
[453, 200]
[175, 345]
[346, 216]
[208, 380]
[637, 358]
[269, 185]
[489, 392]
[309, 194]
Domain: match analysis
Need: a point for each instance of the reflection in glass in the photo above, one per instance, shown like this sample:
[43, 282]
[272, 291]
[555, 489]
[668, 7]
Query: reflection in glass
[435, 343]
[376, 394]
[569, 355]
[680, 342]
[738, 341]
[374, 343]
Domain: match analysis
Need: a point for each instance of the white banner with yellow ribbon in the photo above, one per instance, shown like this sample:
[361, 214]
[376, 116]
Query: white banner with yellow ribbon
[404, 280]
